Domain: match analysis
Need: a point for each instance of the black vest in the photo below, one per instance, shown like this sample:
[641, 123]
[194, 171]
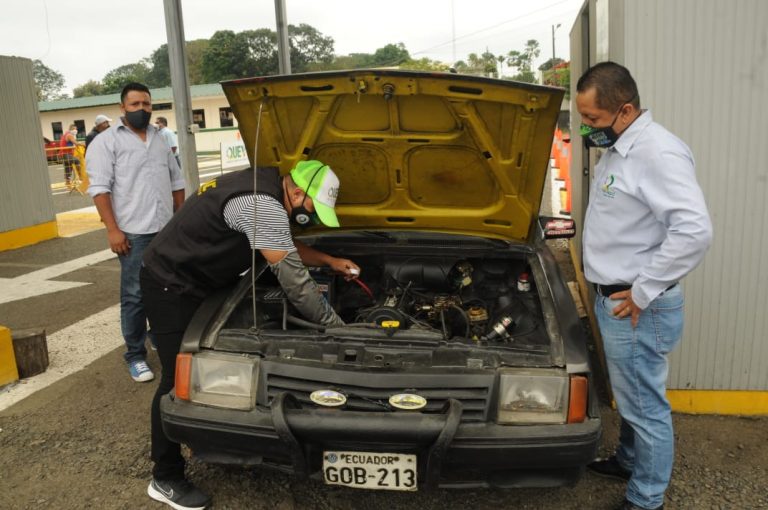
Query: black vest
[197, 251]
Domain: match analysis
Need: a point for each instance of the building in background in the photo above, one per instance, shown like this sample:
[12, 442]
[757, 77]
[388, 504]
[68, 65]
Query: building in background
[210, 111]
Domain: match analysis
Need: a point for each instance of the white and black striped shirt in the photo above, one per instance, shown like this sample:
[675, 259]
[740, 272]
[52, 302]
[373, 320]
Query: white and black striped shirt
[273, 231]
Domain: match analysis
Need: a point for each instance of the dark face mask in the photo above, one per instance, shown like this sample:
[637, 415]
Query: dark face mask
[600, 137]
[138, 119]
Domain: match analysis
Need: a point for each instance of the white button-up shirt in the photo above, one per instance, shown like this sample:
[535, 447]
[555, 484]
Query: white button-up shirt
[647, 223]
[140, 176]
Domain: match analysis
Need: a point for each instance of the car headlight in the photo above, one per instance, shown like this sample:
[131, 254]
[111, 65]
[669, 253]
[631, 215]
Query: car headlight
[221, 380]
[532, 396]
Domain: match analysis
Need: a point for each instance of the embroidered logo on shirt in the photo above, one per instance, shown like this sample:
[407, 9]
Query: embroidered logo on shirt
[606, 187]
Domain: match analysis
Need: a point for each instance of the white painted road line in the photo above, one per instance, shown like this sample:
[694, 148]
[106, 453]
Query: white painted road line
[38, 282]
[70, 350]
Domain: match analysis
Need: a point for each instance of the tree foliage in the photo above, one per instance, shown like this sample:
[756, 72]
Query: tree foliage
[229, 55]
[48, 83]
[117, 78]
[89, 88]
[308, 45]
[523, 61]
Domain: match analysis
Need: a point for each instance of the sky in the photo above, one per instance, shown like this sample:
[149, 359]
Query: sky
[85, 39]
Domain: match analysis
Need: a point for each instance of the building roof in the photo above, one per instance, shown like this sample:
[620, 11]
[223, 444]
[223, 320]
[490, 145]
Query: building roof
[159, 95]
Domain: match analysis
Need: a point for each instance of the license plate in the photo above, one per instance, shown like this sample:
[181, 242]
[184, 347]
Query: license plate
[369, 470]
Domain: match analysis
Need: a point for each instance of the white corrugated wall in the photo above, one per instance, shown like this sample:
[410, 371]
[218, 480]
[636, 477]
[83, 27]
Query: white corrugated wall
[25, 188]
[702, 69]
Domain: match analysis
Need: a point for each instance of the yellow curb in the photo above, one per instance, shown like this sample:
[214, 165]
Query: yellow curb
[739, 402]
[26, 236]
[75, 223]
[8, 370]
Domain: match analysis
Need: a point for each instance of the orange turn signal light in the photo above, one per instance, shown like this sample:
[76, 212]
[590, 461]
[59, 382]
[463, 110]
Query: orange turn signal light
[184, 374]
[577, 406]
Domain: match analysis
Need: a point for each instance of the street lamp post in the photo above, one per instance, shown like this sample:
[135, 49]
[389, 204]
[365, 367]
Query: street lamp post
[553, 43]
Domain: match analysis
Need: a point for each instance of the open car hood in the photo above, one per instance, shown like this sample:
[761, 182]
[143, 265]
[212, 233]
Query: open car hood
[413, 150]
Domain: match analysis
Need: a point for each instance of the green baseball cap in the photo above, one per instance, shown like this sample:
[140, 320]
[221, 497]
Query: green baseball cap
[318, 181]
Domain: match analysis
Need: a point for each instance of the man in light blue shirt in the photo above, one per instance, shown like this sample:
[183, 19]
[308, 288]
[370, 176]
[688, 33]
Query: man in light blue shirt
[136, 185]
[646, 227]
[169, 137]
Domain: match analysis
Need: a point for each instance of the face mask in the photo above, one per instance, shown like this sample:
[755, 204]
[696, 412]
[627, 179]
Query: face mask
[302, 217]
[138, 119]
[601, 138]
[74, 132]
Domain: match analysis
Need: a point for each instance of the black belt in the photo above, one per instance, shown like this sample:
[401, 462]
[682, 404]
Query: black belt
[607, 290]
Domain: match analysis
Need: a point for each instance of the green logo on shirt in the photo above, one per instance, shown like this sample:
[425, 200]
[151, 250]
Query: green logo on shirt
[606, 187]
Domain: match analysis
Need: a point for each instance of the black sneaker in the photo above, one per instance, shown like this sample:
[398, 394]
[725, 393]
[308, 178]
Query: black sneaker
[179, 494]
[609, 468]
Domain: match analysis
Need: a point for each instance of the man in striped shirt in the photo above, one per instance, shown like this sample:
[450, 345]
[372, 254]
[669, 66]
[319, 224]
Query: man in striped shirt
[207, 245]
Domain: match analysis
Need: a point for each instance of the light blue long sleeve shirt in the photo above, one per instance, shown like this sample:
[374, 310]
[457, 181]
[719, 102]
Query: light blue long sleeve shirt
[647, 223]
[140, 177]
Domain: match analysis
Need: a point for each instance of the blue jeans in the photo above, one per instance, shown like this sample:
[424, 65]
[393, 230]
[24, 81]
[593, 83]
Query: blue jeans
[638, 367]
[133, 320]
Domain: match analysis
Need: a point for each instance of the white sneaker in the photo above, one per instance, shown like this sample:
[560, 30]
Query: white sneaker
[140, 371]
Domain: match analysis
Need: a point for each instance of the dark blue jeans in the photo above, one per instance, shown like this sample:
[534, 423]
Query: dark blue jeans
[133, 319]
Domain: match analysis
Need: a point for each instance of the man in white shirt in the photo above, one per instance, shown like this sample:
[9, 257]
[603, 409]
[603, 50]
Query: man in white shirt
[646, 227]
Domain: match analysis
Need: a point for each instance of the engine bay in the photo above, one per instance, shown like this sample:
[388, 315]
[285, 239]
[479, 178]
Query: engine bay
[468, 300]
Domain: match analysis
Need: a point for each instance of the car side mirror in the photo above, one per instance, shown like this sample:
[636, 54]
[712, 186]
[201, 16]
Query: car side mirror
[557, 228]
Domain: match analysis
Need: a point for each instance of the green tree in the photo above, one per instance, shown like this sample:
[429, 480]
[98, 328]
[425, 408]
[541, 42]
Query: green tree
[48, 83]
[262, 52]
[195, 51]
[481, 65]
[160, 74]
[308, 46]
[225, 57]
[351, 61]
[117, 78]
[424, 64]
[390, 55]
[523, 61]
[89, 88]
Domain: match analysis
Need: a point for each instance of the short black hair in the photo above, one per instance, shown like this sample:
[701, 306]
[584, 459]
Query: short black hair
[162, 120]
[139, 87]
[613, 85]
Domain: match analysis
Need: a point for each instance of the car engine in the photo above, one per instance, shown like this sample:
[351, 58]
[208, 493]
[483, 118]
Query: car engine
[474, 301]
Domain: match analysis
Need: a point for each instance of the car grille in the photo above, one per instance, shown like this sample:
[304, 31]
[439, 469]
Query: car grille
[474, 399]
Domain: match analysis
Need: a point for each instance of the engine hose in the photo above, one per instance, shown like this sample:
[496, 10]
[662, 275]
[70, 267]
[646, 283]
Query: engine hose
[466, 319]
[442, 323]
[296, 321]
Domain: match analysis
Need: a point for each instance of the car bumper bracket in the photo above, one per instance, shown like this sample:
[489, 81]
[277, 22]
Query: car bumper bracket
[436, 453]
[278, 407]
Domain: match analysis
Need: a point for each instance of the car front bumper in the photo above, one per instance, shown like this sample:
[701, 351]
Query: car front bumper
[450, 453]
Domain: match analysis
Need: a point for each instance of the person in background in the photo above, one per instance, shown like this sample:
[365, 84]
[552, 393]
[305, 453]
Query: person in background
[646, 228]
[101, 124]
[67, 144]
[170, 137]
[136, 186]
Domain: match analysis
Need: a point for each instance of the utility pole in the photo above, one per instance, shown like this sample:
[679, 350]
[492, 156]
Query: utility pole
[553, 44]
[182, 101]
[283, 46]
